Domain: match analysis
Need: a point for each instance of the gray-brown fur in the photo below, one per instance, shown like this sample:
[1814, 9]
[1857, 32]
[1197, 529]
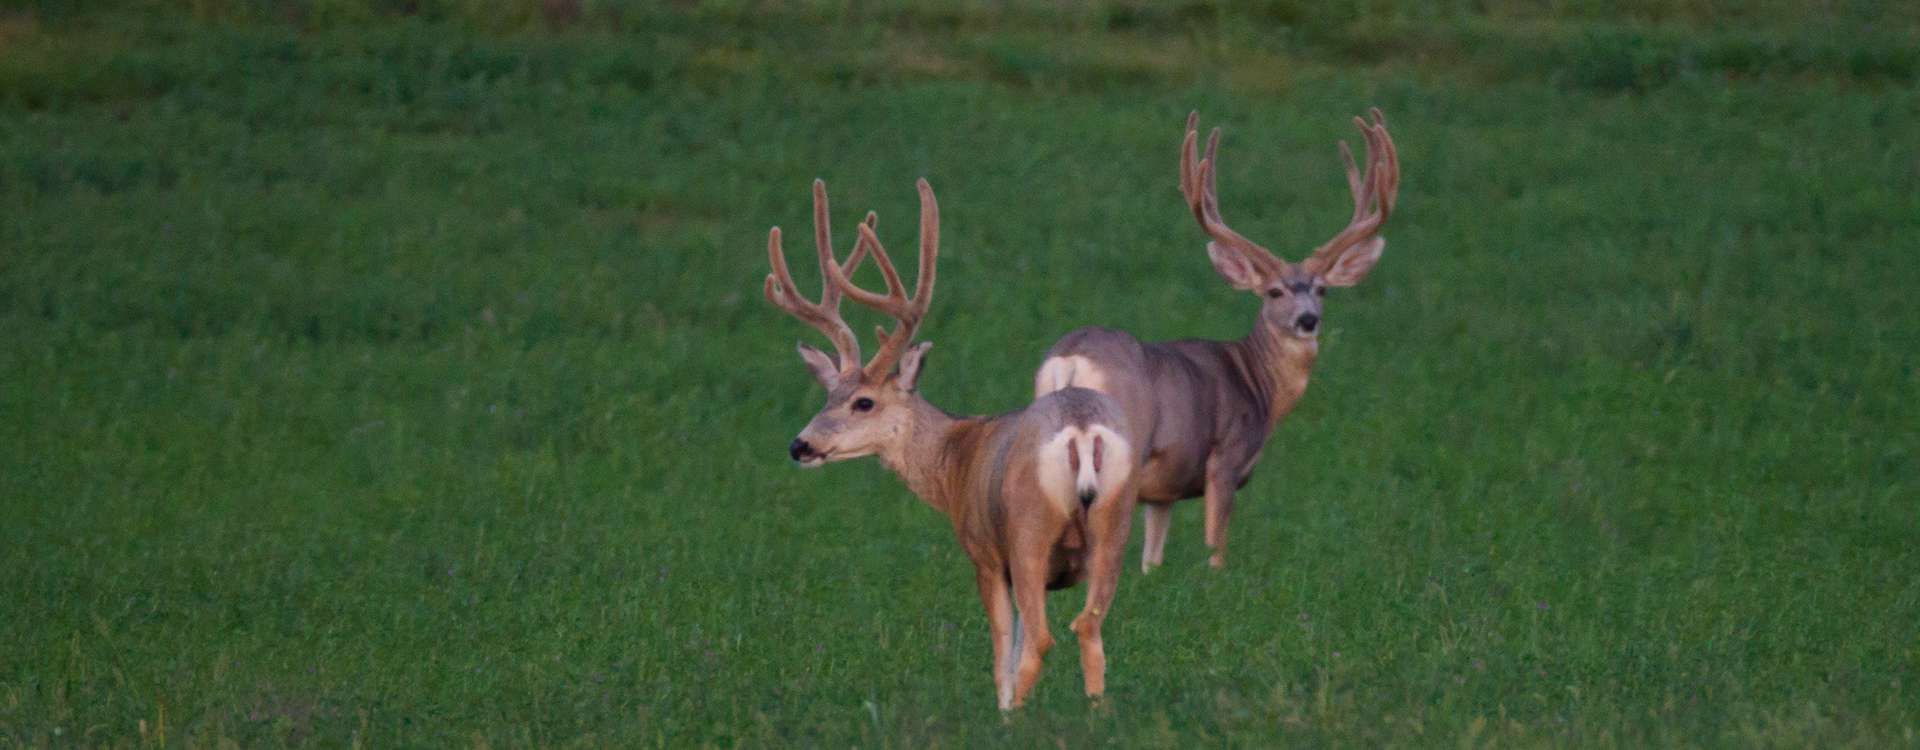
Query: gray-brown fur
[1205, 408]
[1226, 392]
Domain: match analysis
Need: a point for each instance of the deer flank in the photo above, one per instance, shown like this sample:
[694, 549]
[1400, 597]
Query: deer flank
[1039, 498]
[1202, 410]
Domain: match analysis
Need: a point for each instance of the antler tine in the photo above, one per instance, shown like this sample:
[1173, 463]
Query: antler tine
[1380, 154]
[1199, 184]
[907, 312]
[825, 314]
[823, 242]
[1391, 187]
[1354, 184]
[1373, 193]
[823, 239]
[1187, 173]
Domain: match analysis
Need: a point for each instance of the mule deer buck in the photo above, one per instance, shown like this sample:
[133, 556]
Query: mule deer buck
[1203, 409]
[1040, 498]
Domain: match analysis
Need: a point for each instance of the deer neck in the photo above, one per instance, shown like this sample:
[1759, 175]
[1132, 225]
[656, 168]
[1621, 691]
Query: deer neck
[1276, 365]
[922, 454]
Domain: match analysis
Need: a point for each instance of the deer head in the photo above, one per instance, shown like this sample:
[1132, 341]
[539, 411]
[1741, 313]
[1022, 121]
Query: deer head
[1292, 292]
[869, 407]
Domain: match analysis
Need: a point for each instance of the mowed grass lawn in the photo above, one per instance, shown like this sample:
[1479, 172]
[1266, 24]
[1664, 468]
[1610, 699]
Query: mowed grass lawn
[404, 381]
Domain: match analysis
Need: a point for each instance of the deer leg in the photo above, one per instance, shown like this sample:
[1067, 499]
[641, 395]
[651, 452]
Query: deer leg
[1107, 529]
[1030, 597]
[995, 594]
[1153, 551]
[1219, 507]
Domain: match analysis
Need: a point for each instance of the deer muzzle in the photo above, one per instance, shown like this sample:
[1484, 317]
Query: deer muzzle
[803, 452]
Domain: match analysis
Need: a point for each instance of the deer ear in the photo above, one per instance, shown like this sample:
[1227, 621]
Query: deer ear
[1353, 265]
[1234, 268]
[822, 366]
[910, 363]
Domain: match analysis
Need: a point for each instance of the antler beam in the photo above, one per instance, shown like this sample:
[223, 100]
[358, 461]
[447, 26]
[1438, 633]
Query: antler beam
[907, 312]
[825, 314]
[1198, 182]
[1373, 194]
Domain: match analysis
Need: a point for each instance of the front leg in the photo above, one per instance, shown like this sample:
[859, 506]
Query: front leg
[998, 599]
[1219, 490]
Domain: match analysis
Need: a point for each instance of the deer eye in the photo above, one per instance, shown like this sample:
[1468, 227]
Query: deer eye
[1276, 292]
[863, 404]
[1320, 290]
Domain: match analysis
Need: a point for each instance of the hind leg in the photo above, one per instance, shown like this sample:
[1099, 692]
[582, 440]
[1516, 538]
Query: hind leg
[1029, 568]
[1107, 529]
[997, 596]
[1153, 550]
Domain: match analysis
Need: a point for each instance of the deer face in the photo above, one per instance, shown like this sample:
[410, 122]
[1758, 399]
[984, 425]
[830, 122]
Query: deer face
[870, 409]
[1292, 293]
[860, 418]
[1291, 303]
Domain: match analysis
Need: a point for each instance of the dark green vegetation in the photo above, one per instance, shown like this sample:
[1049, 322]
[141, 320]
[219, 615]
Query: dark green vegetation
[404, 379]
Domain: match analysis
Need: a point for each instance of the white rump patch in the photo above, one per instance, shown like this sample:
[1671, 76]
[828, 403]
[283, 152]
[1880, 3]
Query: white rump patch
[1062, 372]
[1115, 469]
[1068, 466]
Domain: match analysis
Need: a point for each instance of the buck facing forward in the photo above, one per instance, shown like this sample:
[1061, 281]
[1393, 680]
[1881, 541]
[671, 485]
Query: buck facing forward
[1204, 409]
[1040, 498]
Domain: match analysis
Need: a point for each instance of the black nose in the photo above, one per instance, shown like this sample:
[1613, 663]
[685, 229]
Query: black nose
[1308, 322]
[799, 449]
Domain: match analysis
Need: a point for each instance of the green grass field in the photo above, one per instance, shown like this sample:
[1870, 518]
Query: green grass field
[401, 377]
